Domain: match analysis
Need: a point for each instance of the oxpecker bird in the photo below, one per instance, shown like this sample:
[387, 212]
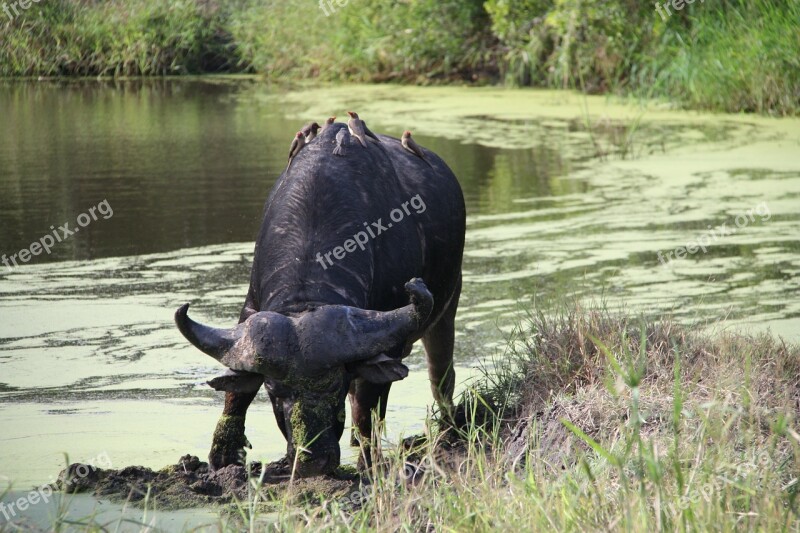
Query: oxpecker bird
[410, 145]
[309, 131]
[328, 122]
[359, 129]
[298, 143]
[342, 140]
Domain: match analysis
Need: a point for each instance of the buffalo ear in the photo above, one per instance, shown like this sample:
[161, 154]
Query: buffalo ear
[381, 369]
[233, 381]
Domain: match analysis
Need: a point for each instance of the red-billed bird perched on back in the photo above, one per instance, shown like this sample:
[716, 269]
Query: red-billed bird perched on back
[411, 146]
[328, 122]
[358, 128]
[298, 143]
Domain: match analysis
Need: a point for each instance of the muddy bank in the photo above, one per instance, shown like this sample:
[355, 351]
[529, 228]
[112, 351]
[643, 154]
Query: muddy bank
[190, 483]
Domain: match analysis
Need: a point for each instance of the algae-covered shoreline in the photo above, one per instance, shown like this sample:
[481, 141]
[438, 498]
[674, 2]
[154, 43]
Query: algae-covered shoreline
[515, 117]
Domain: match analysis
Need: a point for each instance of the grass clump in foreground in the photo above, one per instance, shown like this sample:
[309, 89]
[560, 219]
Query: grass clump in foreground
[603, 423]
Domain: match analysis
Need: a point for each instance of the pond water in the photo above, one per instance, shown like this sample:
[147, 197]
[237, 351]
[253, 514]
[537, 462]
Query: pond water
[568, 198]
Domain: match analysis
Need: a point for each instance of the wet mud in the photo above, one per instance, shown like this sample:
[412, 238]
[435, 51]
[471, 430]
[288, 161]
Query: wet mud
[190, 483]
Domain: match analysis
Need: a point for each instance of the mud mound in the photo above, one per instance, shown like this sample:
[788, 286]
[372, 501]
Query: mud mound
[190, 483]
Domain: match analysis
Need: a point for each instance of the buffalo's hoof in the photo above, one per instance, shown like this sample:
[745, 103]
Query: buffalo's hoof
[228, 447]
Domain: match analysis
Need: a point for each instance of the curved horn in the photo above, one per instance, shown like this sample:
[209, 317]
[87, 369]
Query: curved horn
[258, 345]
[361, 334]
[215, 342]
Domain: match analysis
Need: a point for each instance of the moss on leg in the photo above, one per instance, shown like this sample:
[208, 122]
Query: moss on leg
[228, 445]
[229, 442]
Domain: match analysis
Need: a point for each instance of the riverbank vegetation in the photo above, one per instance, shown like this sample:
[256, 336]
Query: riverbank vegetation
[727, 55]
[602, 423]
[590, 421]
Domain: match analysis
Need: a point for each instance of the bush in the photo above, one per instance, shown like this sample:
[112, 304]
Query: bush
[731, 55]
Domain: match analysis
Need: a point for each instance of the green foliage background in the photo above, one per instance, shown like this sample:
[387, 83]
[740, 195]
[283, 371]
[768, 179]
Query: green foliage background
[731, 55]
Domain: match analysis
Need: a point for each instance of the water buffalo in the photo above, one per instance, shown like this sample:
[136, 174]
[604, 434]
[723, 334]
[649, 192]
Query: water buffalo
[337, 296]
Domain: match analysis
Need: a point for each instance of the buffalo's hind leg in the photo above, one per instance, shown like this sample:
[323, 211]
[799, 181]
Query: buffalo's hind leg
[439, 342]
[227, 447]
